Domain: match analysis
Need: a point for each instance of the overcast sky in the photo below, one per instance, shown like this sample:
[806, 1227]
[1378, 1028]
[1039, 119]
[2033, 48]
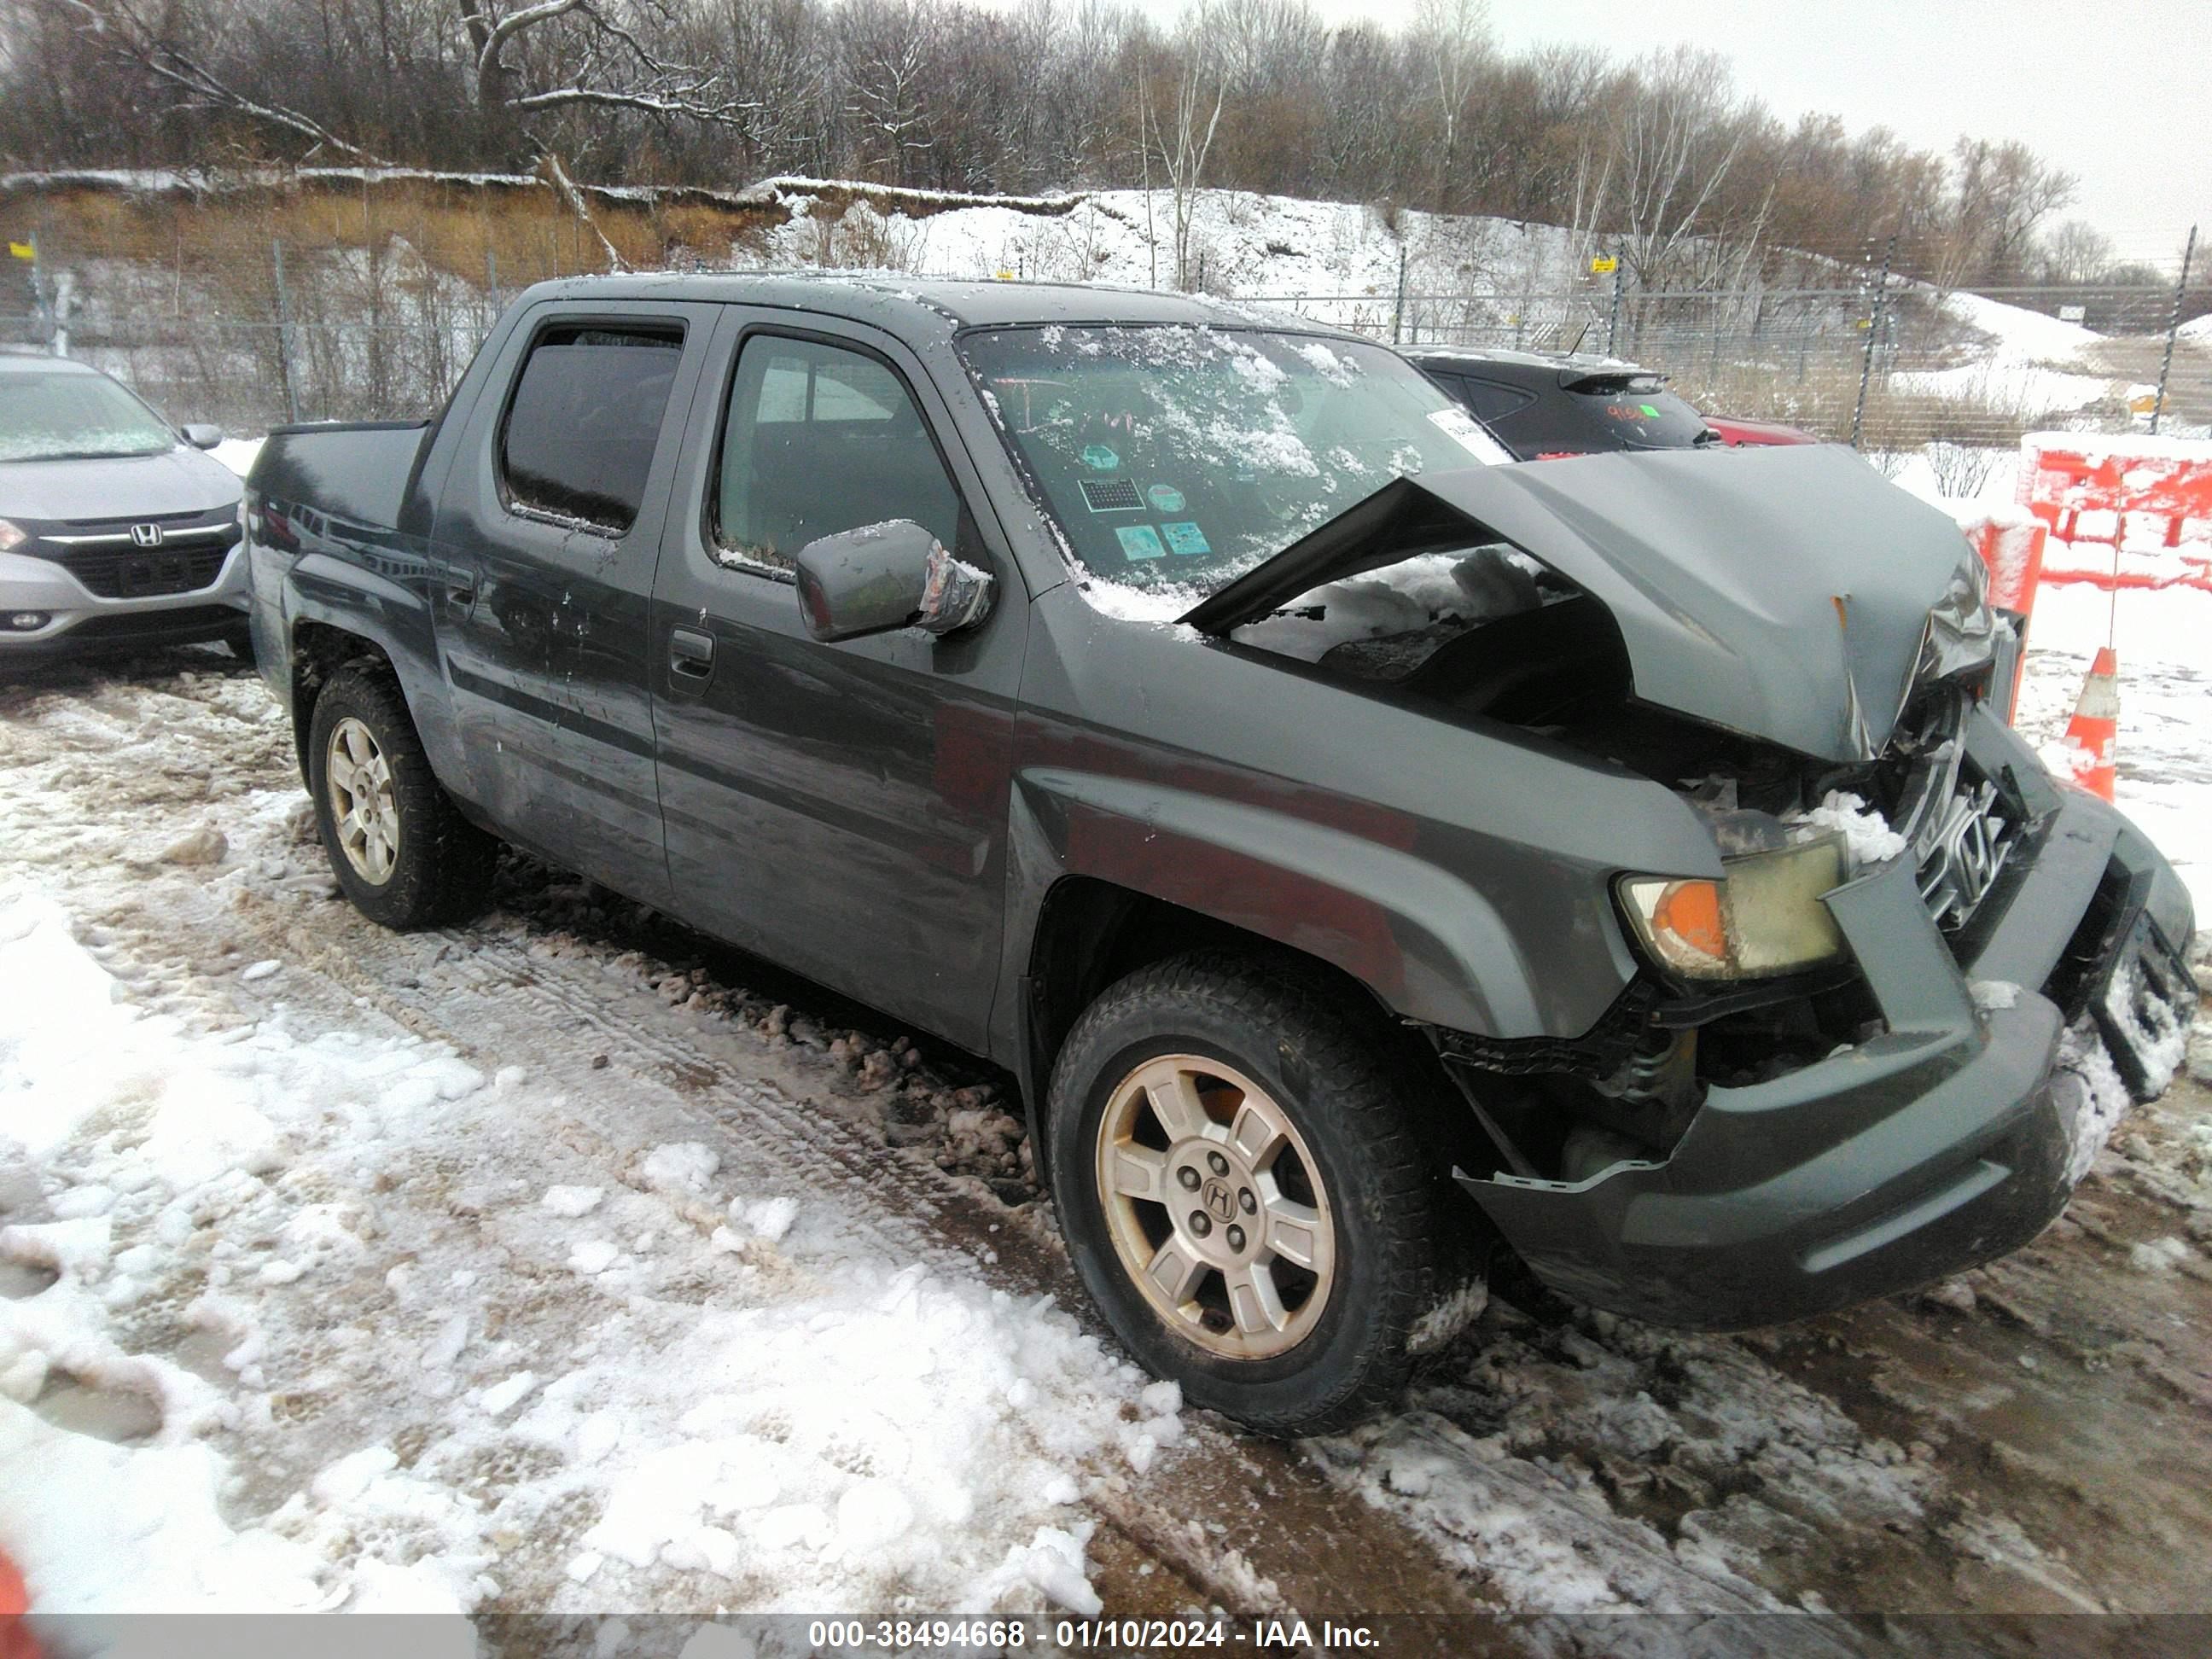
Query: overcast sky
[2118, 91]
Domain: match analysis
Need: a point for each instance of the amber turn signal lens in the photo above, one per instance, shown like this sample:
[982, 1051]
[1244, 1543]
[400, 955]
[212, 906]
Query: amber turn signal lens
[1769, 915]
[1689, 914]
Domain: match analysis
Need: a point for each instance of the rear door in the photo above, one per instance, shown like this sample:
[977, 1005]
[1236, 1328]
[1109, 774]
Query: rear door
[841, 808]
[546, 537]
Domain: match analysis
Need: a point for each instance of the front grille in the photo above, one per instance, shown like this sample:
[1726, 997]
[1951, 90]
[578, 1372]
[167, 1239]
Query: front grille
[1972, 839]
[1963, 827]
[122, 526]
[146, 572]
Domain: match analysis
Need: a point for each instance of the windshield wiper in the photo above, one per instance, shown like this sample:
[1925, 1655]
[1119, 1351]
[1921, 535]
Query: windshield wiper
[90, 455]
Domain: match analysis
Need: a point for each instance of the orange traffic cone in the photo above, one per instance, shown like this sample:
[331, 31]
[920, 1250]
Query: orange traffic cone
[2095, 725]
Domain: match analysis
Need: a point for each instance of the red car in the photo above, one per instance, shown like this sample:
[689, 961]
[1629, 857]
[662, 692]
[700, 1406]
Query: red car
[1757, 432]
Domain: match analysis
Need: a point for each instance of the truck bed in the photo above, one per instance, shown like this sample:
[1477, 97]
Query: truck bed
[358, 472]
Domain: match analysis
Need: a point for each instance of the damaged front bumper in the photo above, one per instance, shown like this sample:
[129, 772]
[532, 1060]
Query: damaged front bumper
[1953, 1136]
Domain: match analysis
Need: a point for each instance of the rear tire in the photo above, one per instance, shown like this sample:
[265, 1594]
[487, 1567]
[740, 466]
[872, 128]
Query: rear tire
[401, 850]
[1327, 1231]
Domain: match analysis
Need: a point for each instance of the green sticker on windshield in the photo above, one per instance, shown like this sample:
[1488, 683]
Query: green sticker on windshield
[1139, 541]
[1164, 498]
[1099, 458]
[1651, 411]
[1185, 538]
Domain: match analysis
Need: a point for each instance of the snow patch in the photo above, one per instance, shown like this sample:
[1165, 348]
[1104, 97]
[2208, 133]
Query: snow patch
[1865, 833]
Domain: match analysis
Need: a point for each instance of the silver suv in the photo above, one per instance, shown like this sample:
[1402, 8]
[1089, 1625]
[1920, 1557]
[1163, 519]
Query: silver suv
[115, 529]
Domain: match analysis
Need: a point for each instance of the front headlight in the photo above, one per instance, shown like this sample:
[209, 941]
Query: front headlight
[11, 536]
[1764, 916]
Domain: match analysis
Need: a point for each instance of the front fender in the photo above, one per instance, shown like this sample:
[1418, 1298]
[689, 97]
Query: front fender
[1430, 945]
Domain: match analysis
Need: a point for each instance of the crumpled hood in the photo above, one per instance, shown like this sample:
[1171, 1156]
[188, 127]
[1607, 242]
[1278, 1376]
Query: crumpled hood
[180, 480]
[1782, 593]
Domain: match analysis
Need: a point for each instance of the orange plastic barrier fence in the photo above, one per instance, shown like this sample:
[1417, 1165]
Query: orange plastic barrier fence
[2013, 554]
[2134, 495]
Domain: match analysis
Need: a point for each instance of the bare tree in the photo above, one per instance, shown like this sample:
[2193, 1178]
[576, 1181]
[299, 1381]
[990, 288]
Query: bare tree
[2003, 192]
[890, 52]
[1452, 37]
[1695, 184]
[528, 61]
[1675, 138]
[2076, 253]
[1181, 147]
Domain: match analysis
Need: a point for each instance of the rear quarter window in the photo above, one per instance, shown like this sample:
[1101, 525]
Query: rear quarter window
[585, 420]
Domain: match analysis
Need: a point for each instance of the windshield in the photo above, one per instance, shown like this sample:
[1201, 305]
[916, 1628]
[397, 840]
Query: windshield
[1175, 459]
[65, 415]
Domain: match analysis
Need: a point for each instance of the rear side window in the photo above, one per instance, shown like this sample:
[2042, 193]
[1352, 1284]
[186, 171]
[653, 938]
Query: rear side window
[819, 439]
[1491, 400]
[579, 434]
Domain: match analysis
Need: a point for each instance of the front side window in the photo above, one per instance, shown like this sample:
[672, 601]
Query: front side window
[1176, 457]
[579, 438]
[818, 440]
[68, 415]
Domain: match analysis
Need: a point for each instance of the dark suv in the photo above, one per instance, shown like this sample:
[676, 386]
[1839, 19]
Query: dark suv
[1360, 855]
[1544, 407]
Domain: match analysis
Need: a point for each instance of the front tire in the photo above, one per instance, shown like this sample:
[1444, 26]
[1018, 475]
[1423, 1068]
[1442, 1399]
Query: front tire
[1244, 1192]
[401, 850]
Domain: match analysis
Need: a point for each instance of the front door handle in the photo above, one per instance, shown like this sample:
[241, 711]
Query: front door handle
[691, 653]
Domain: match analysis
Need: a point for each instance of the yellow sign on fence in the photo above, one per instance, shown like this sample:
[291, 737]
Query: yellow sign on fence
[23, 251]
[1605, 263]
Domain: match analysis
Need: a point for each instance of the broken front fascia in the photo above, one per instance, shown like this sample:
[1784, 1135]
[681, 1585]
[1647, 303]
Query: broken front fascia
[1786, 593]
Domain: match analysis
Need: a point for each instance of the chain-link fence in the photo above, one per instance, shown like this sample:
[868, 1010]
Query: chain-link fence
[1969, 369]
[251, 304]
[377, 319]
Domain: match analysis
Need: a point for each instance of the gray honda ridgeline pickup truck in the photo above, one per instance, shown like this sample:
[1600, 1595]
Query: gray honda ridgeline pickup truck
[1365, 857]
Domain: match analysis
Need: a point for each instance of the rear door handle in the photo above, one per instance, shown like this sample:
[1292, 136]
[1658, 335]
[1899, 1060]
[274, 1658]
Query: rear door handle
[690, 654]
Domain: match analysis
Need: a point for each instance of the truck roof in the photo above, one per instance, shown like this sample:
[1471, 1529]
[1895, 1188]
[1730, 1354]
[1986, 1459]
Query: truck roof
[929, 307]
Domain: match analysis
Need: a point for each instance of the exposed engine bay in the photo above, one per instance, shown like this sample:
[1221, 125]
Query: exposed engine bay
[1492, 632]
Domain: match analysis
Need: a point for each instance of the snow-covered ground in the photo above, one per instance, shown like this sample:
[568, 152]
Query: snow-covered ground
[2025, 365]
[689, 1362]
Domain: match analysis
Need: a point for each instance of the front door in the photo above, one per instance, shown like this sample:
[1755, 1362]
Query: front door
[546, 537]
[840, 808]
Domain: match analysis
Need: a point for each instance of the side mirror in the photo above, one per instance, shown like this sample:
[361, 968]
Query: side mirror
[886, 576]
[201, 435]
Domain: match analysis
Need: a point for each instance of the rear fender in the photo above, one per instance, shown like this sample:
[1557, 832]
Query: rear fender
[391, 613]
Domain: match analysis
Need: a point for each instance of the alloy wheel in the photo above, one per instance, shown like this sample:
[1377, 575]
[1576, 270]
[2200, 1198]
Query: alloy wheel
[1216, 1209]
[363, 808]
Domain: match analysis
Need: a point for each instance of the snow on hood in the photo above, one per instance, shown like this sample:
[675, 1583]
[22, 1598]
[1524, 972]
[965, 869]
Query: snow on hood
[180, 480]
[1782, 593]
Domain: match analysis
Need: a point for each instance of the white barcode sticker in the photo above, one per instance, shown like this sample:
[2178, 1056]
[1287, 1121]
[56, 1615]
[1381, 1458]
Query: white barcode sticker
[1473, 437]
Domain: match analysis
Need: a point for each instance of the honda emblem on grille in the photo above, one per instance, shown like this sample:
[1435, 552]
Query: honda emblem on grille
[145, 535]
